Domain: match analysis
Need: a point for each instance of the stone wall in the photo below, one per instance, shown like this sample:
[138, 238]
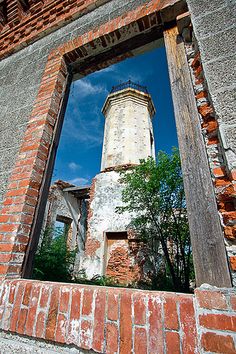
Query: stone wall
[111, 320]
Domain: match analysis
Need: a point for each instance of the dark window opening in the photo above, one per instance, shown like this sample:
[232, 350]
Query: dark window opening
[24, 4]
[3, 12]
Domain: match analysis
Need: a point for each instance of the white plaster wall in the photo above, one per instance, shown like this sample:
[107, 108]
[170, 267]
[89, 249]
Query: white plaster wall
[104, 218]
[127, 129]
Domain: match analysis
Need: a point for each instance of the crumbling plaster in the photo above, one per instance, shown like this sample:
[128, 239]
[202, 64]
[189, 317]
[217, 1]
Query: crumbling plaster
[107, 196]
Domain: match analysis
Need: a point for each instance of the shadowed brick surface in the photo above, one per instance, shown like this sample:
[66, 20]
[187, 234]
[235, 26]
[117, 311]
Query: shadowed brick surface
[144, 321]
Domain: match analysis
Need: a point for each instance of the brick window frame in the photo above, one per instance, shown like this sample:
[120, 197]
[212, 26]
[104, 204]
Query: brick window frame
[29, 180]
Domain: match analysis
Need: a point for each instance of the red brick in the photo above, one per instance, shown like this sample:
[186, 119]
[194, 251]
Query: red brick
[233, 302]
[219, 171]
[27, 293]
[125, 323]
[29, 326]
[211, 299]
[44, 296]
[52, 314]
[87, 302]
[196, 61]
[3, 269]
[218, 321]
[205, 110]
[21, 322]
[99, 320]
[201, 94]
[6, 247]
[172, 343]
[156, 339]
[232, 261]
[16, 307]
[85, 334]
[40, 325]
[113, 305]
[5, 258]
[140, 340]
[216, 343]
[139, 308]
[64, 299]
[74, 316]
[8, 227]
[12, 293]
[61, 328]
[112, 338]
[233, 174]
[188, 325]
[4, 218]
[170, 313]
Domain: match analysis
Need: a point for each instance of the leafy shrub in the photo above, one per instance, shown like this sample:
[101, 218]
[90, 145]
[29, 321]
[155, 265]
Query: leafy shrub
[54, 261]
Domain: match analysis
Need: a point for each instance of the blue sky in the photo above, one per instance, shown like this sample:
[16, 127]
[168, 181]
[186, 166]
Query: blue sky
[80, 149]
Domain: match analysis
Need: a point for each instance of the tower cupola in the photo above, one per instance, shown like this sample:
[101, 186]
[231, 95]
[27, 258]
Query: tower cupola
[128, 134]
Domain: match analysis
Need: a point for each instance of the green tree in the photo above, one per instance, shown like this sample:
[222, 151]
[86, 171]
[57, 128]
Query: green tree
[154, 195]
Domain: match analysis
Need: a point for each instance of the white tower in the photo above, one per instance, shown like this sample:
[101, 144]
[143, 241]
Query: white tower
[128, 135]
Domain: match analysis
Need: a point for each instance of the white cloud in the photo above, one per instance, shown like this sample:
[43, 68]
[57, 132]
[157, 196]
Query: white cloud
[73, 166]
[79, 181]
[108, 69]
[84, 87]
[78, 127]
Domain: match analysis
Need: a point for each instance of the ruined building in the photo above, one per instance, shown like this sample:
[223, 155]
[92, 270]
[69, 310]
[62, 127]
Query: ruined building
[68, 204]
[128, 137]
[108, 247]
[44, 45]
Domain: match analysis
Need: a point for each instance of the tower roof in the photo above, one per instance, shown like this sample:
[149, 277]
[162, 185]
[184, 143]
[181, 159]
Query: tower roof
[129, 89]
[129, 84]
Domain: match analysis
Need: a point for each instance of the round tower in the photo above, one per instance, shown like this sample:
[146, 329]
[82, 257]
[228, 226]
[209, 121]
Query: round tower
[128, 134]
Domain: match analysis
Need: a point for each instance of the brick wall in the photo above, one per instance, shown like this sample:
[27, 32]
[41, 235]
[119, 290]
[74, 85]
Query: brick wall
[216, 317]
[115, 320]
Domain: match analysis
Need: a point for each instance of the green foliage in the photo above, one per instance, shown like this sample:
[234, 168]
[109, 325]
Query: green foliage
[154, 194]
[53, 260]
[101, 280]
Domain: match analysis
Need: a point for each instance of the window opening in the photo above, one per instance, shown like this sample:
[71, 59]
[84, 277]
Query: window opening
[3, 12]
[89, 191]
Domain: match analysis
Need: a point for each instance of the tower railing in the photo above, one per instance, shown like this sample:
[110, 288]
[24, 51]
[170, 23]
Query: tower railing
[129, 84]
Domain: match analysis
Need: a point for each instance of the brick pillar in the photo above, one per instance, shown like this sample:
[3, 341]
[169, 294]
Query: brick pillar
[21, 199]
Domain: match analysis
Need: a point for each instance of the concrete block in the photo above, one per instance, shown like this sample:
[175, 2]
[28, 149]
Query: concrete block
[207, 24]
[227, 135]
[199, 7]
[220, 73]
[224, 104]
[3, 185]
[218, 45]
